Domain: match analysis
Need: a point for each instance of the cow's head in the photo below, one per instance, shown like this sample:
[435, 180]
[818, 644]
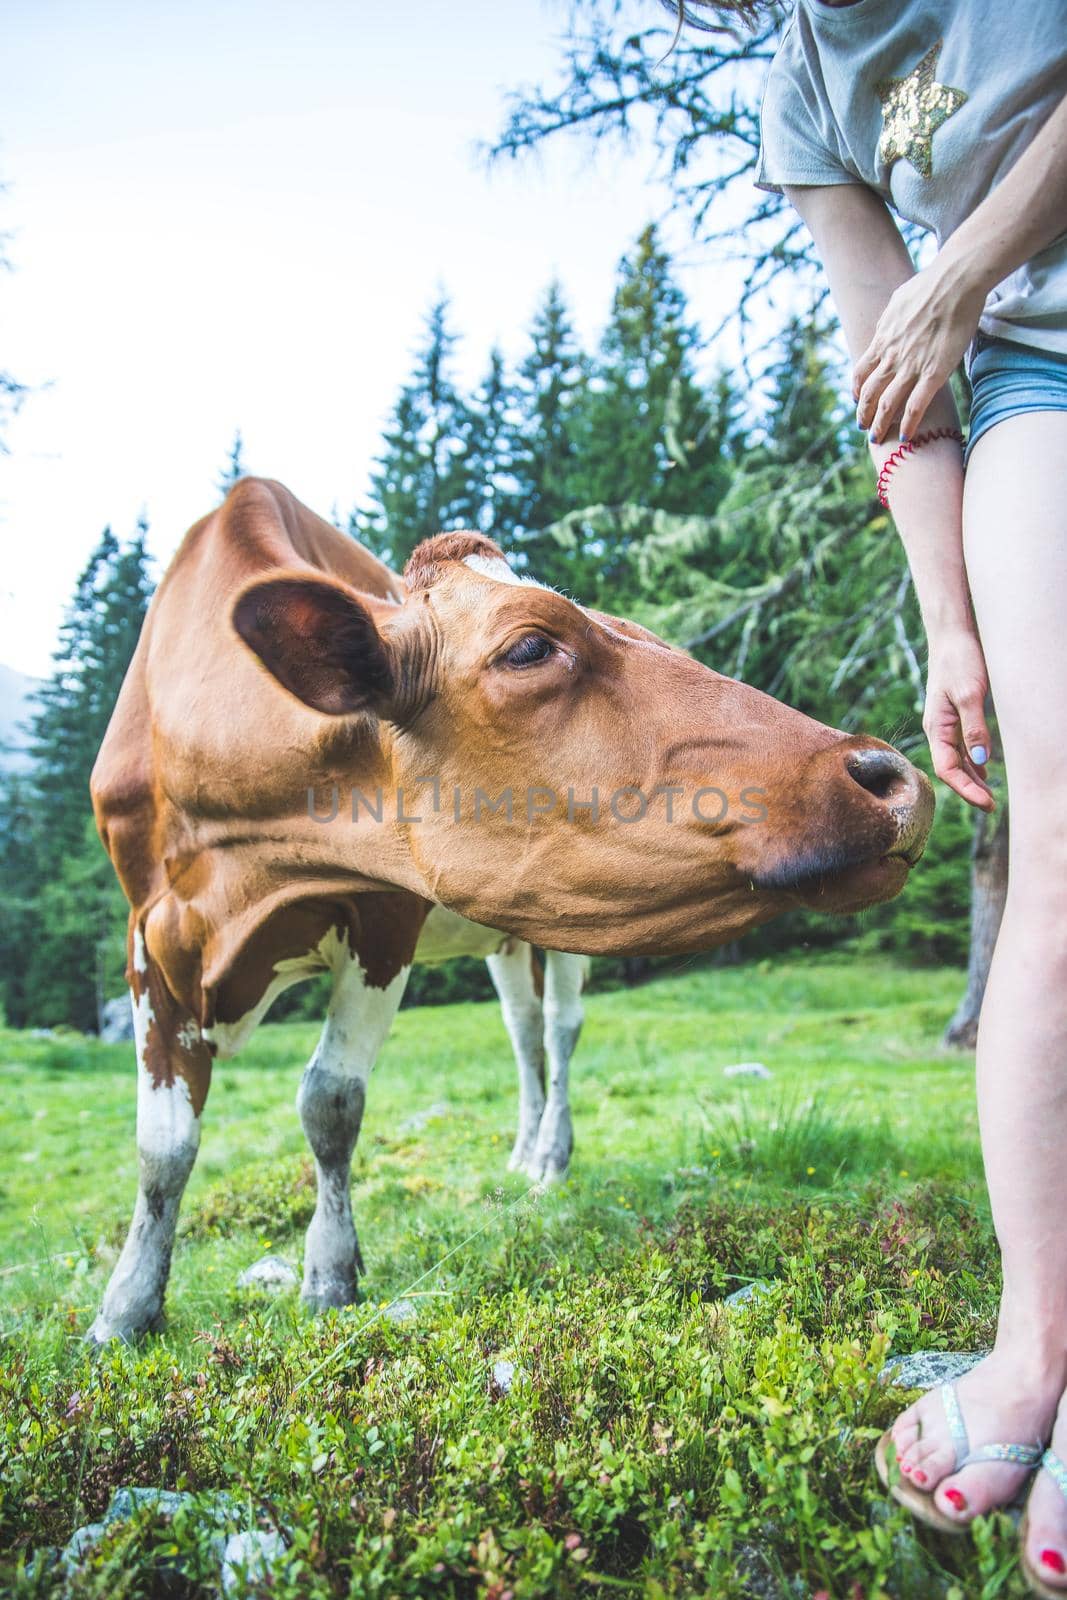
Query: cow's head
[594, 789]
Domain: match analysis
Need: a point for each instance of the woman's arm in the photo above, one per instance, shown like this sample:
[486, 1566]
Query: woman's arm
[929, 322]
[866, 260]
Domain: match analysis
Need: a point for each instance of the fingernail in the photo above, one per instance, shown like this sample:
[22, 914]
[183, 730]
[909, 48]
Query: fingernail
[1053, 1559]
[955, 1498]
[918, 1474]
[979, 755]
[904, 439]
[873, 436]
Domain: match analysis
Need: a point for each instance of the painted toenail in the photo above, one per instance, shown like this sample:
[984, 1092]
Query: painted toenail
[918, 1474]
[955, 1498]
[1053, 1559]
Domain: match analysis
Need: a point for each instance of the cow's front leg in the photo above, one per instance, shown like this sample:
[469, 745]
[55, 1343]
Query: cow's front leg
[564, 978]
[514, 973]
[173, 1072]
[330, 1101]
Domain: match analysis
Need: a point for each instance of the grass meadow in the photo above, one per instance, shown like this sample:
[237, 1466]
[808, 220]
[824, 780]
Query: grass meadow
[651, 1442]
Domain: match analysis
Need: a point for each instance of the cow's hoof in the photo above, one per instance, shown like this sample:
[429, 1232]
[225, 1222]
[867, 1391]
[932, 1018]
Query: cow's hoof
[548, 1170]
[521, 1158]
[329, 1294]
[105, 1332]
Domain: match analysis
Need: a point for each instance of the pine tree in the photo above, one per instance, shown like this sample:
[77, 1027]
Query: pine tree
[420, 486]
[549, 383]
[488, 496]
[235, 468]
[54, 874]
[643, 434]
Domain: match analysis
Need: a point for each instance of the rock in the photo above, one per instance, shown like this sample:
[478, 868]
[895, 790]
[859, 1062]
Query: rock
[925, 1369]
[418, 1119]
[246, 1556]
[504, 1375]
[747, 1069]
[270, 1273]
[249, 1557]
[748, 1292]
[125, 1503]
[117, 1020]
[400, 1311]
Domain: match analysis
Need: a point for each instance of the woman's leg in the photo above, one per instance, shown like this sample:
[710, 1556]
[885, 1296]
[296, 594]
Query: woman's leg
[1015, 539]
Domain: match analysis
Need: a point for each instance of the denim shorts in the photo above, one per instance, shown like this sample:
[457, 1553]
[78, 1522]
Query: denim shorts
[1009, 378]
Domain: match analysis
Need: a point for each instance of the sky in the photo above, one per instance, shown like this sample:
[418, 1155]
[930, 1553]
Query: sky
[231, 214]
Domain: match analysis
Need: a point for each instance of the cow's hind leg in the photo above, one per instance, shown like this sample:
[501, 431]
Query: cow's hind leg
[564, 979]
[515, 976]
[173, 1072]
[330, 1101]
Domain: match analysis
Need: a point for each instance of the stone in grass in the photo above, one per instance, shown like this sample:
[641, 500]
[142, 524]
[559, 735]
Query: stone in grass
[504, 1375]
[926, 1369]
[747, 1293]
[249, 1557]
[400, 1311]
[747, 1069]
[246, 1556]
[418, 1119]
[270, 1273]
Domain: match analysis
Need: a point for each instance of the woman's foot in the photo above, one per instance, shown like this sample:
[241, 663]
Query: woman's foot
[1046, 1515]
[1004, 1400]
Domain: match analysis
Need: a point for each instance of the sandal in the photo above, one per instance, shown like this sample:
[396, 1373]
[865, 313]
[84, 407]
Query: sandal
[921, 1503]
[1058, 1472]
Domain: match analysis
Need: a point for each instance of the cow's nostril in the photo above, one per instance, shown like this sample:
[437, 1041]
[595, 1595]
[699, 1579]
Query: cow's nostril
[883, 773]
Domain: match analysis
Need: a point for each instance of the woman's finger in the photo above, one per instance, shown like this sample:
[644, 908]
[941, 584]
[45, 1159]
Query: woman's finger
[949, 767]
[889, 408]
[864, 367]
[918, 404]
[872, 390]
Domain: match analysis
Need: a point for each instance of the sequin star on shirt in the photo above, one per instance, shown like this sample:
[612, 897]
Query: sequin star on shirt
[913, 108]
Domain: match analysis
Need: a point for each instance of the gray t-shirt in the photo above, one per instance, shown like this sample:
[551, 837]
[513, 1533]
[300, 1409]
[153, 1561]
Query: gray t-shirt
[930, 103]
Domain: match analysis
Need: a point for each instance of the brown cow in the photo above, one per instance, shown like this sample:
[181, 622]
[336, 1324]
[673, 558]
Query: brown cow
[489, 747]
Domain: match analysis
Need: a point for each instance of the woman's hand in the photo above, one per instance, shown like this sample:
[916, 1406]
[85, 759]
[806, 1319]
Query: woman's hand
[918, 343]
[954, 718]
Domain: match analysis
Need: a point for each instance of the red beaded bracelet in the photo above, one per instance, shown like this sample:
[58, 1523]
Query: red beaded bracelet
[905, 449]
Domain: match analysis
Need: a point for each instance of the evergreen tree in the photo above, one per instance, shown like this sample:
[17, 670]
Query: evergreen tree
[644, 435]
[57, 890]
[420, 486]
[488, 496]
[235, 468]
[549, 383]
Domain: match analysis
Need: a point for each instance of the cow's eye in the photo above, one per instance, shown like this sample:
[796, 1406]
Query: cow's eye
[526, 652]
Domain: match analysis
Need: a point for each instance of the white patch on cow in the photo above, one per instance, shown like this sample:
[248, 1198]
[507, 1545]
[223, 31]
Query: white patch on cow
[565, 977]
[329, 955]
[496, 567]
[168, 1136]
[511, 970]
[140, 954]
[446, 934]
[330, 1101]
[189, 1035]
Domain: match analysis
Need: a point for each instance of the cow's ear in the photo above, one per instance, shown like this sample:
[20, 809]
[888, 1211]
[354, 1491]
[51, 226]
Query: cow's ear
[321, 641]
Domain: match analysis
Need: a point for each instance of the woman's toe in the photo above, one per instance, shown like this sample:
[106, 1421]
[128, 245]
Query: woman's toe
[928, 1461]
[905, 1430]
[977, 1489]
[1046, 1534]
[955, 1499]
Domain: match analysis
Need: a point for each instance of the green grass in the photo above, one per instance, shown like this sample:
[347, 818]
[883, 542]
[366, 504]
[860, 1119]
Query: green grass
[652, 1443]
